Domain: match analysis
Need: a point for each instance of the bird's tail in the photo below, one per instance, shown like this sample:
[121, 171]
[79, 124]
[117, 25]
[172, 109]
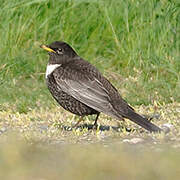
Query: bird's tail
[143, 122]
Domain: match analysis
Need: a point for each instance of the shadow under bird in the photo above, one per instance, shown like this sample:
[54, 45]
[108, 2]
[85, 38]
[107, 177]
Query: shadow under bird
[81, 89]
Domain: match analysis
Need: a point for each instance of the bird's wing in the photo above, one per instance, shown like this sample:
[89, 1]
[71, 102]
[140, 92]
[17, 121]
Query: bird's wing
[86, 88]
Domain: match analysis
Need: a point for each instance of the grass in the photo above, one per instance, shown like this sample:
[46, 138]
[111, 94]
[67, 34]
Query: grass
[134, 43]
[138, 41]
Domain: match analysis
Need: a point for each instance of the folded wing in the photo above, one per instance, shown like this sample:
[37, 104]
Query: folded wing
[87, 89]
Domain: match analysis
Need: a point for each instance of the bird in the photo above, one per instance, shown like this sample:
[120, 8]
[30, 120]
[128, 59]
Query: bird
[80, 88]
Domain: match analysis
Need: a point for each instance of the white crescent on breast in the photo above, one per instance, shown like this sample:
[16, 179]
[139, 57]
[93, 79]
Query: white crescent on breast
[50, 68]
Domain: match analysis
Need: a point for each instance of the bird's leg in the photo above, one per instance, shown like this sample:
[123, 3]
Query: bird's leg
[95, 123]
[81, 119]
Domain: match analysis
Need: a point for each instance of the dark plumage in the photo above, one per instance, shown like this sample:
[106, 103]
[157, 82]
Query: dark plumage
[81, 89]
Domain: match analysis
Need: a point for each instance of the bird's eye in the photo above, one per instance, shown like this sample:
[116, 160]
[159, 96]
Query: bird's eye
[59, 51]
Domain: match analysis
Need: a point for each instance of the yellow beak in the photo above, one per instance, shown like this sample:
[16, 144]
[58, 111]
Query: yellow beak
[47, 48]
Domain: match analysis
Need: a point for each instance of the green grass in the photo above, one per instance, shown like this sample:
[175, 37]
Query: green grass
[134, 43]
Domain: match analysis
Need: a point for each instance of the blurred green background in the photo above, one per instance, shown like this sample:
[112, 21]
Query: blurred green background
[134, 43]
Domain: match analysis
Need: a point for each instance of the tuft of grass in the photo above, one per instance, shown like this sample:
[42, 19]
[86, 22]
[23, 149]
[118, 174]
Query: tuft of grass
[138, 41]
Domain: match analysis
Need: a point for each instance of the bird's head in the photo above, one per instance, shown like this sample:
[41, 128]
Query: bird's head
[59, 51]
